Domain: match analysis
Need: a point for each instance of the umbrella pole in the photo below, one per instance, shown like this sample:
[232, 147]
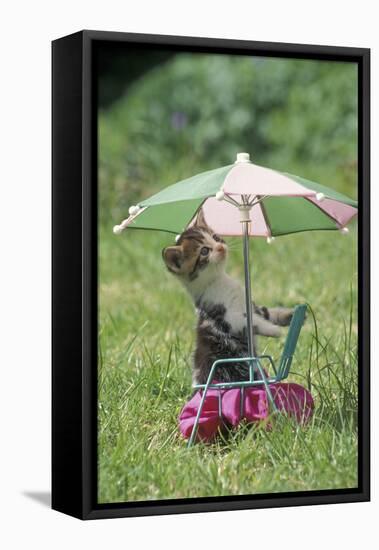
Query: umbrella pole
[249, 316]
[249, 308]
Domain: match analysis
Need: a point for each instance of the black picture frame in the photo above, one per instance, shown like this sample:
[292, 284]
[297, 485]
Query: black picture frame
[74, 273]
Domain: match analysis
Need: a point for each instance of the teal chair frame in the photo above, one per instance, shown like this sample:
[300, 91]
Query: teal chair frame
[255, 367]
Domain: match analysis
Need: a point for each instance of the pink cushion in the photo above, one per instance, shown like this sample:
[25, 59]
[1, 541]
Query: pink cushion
[290, 398]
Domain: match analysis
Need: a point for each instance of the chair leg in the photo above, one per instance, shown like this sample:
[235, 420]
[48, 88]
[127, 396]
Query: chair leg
[196, 425]
[267, 387]
[197, 419]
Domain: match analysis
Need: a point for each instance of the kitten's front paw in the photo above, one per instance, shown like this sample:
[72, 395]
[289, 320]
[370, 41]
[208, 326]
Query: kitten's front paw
[284, 316]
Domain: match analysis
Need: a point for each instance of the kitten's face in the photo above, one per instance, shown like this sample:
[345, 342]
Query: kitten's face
[199, 253]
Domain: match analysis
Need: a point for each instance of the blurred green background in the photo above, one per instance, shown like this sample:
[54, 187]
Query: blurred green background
[194, 112]
[164, 117]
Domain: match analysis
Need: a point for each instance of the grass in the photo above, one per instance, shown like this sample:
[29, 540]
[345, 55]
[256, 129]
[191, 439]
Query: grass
[146, 339]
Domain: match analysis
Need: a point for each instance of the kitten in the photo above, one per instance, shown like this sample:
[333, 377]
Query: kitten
[198, 261]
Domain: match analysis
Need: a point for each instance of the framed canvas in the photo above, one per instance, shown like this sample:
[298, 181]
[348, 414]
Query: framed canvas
[195, 367]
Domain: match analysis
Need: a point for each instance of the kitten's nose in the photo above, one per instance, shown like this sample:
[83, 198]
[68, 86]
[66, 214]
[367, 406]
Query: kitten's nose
[220, 247]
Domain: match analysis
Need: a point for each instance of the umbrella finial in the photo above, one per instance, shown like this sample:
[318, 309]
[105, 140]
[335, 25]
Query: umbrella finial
[242, 157]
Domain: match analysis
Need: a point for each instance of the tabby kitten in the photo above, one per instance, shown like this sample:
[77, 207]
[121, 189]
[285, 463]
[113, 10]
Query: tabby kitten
[198, 261]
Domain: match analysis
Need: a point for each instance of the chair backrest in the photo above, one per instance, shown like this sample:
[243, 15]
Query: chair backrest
[291, 340]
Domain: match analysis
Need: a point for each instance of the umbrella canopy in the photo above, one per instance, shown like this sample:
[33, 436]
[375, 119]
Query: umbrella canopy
[244, 199]
[278, 203]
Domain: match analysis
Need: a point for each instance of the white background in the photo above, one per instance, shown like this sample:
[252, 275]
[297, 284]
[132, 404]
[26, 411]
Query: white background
[26, 31]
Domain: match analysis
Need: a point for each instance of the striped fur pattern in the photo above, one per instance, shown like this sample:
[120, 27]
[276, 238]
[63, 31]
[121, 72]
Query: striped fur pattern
[198, 260]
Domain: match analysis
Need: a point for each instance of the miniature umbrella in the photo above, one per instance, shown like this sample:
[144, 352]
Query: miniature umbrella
[267, 203]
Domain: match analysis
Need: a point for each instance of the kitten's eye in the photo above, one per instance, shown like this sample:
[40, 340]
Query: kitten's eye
[216, 238]
[204, 251]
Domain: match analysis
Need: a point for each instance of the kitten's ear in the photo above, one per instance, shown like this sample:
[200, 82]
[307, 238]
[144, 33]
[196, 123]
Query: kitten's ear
[172, 256]
[200, 219]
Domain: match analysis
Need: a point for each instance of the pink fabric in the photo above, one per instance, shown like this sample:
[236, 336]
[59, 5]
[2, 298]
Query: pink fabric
[339, 211]
[209, 421]
[225, 219]
[290, 398]
[252, 179]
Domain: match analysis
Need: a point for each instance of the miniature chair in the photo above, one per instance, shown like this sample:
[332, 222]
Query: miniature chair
[255, 367]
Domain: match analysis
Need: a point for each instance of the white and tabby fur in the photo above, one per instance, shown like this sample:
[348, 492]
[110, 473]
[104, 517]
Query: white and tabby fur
[220, 302]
